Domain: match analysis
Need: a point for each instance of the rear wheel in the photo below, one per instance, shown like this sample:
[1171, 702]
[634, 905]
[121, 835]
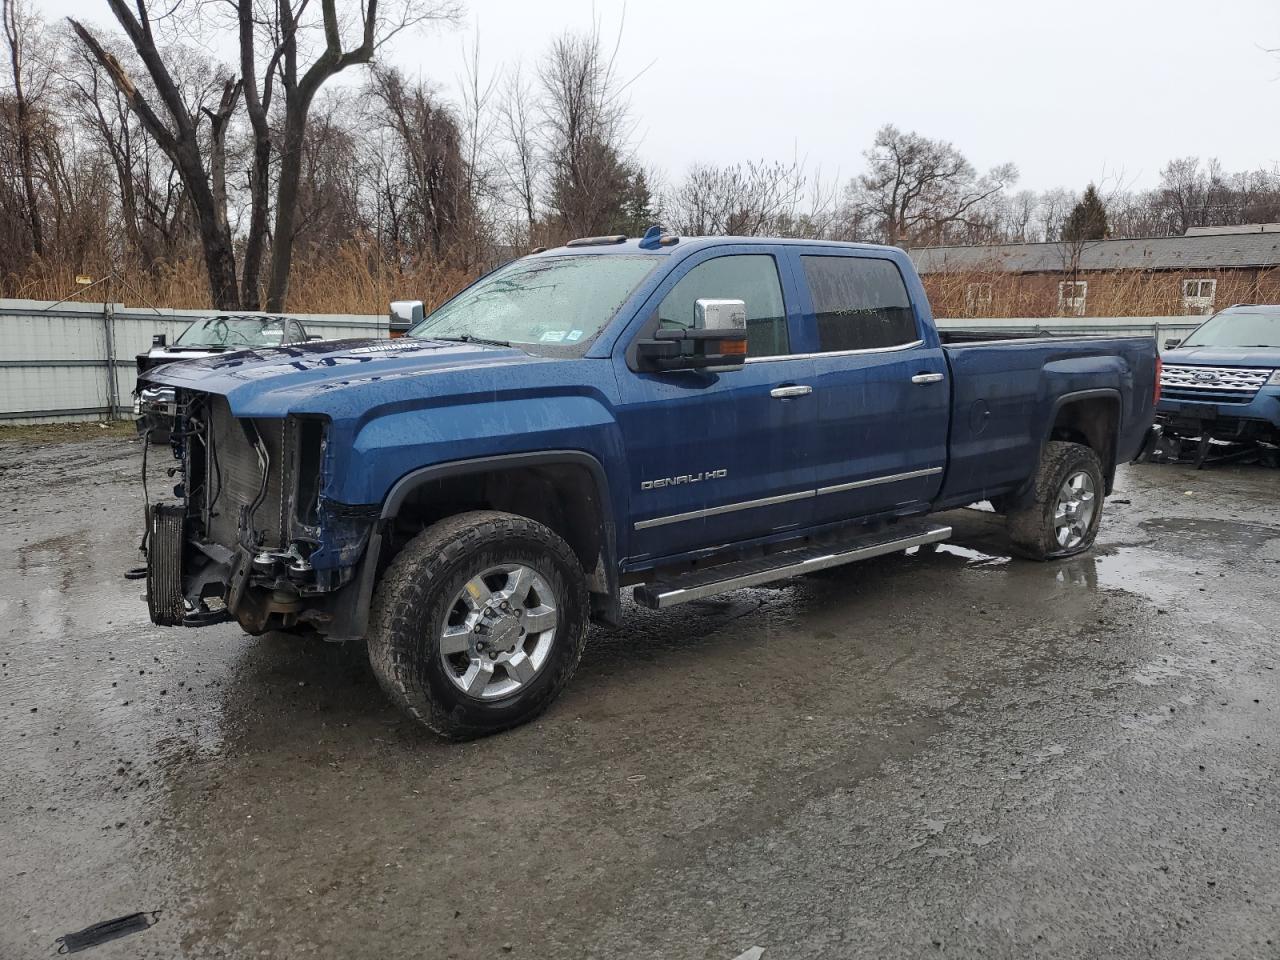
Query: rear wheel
[478, 623]
[1060, 515]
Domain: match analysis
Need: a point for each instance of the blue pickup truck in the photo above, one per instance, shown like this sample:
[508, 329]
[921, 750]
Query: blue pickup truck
[679, 416]
[1223, 381]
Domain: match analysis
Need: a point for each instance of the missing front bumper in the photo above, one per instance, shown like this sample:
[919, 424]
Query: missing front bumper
[194, 583]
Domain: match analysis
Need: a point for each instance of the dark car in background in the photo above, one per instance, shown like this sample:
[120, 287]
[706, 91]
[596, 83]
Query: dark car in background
[222, 333]
[1222, 383]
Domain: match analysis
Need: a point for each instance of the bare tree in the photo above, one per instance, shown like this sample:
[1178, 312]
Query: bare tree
[426, 187]
[917, 187]
[19, 25]
[1053, 209]
[330, 211]
[585, 117]
[1196, 196]
[739, 199]
[152, 207]
[281, 31]
[1020, 214]
[478, 125]
[1183, 190]
[203, 173]
[520, 160]
[274, 40]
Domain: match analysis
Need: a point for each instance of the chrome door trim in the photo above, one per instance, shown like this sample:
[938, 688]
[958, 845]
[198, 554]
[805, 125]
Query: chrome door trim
[724, 508]
[840, 353]
[875, 481]
[782, 498]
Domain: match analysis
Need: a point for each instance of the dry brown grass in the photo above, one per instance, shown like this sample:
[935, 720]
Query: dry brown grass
[358, 279]
[353, 280]
[1110, 294]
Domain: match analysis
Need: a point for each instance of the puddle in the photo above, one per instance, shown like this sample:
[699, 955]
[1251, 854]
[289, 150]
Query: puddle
[975, 558]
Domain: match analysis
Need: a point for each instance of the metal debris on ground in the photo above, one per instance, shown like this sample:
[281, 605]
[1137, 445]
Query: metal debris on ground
[106, 930]
[1204, 451]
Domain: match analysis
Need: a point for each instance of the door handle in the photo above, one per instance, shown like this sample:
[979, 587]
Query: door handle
[791, 390]
[926, 378]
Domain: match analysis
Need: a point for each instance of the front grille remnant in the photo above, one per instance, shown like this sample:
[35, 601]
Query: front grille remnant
[1212, 384]
[164, 565]
[234, 478]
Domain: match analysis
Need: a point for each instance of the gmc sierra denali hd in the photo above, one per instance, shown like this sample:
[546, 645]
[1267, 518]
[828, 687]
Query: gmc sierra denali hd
[683, 416]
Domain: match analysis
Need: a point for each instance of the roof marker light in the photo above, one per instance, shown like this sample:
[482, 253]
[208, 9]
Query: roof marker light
[652, 238]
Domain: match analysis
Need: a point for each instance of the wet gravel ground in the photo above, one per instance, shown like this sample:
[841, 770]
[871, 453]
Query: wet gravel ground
[950, 754]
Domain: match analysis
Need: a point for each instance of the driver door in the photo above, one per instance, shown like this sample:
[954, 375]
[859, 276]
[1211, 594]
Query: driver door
[716, 458]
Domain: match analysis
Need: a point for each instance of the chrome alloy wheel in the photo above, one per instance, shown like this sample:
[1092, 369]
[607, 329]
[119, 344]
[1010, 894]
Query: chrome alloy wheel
[1073, 513]
[498, 631]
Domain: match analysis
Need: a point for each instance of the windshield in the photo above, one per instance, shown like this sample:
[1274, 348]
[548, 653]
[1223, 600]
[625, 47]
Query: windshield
[558, 302]
[235, 332]
[1244, 328]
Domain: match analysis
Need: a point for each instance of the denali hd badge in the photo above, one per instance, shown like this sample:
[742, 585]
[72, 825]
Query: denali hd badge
[683, 478]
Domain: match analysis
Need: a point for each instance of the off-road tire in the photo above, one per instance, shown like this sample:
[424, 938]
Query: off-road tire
[410, 604]
[1030, 518]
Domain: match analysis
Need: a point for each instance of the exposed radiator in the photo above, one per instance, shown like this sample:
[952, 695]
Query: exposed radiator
[234, 477]
[164, 564]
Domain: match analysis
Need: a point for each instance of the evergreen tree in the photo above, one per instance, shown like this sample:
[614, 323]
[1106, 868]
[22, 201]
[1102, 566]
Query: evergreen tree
[637, 206]
[1087, 220]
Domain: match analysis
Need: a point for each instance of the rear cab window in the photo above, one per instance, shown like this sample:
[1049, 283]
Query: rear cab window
[859, 303]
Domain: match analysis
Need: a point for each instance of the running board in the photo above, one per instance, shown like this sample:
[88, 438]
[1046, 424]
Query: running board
[710, 581]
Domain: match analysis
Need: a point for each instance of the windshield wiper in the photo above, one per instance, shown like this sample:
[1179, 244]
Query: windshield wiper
[469, 338]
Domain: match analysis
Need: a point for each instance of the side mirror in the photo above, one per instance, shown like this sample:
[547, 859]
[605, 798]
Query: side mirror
[1170, 344]
[717, 341]
[312, 337]
[405, 314]
[159, 339]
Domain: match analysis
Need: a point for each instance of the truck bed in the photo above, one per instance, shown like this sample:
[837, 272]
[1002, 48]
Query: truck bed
[1005, 393]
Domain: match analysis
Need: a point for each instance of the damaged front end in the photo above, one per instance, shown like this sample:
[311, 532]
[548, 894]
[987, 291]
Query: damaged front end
[252, 536]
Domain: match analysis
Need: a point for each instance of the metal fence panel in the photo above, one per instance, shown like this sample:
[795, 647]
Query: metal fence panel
[54, 356]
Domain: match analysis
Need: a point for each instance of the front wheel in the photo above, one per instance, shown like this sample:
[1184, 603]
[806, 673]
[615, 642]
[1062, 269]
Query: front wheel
[478, 623]
[1060, 515]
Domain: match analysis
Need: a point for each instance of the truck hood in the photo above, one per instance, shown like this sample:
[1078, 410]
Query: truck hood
[306, 377]
[183, 353]
[1224, 356]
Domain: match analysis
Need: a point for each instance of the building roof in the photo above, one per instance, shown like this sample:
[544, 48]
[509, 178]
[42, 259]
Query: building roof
[1239, 228]
[1198, 252]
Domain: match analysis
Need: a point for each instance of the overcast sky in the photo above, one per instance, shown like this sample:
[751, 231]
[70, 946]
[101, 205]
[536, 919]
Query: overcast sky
[1071, 92]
